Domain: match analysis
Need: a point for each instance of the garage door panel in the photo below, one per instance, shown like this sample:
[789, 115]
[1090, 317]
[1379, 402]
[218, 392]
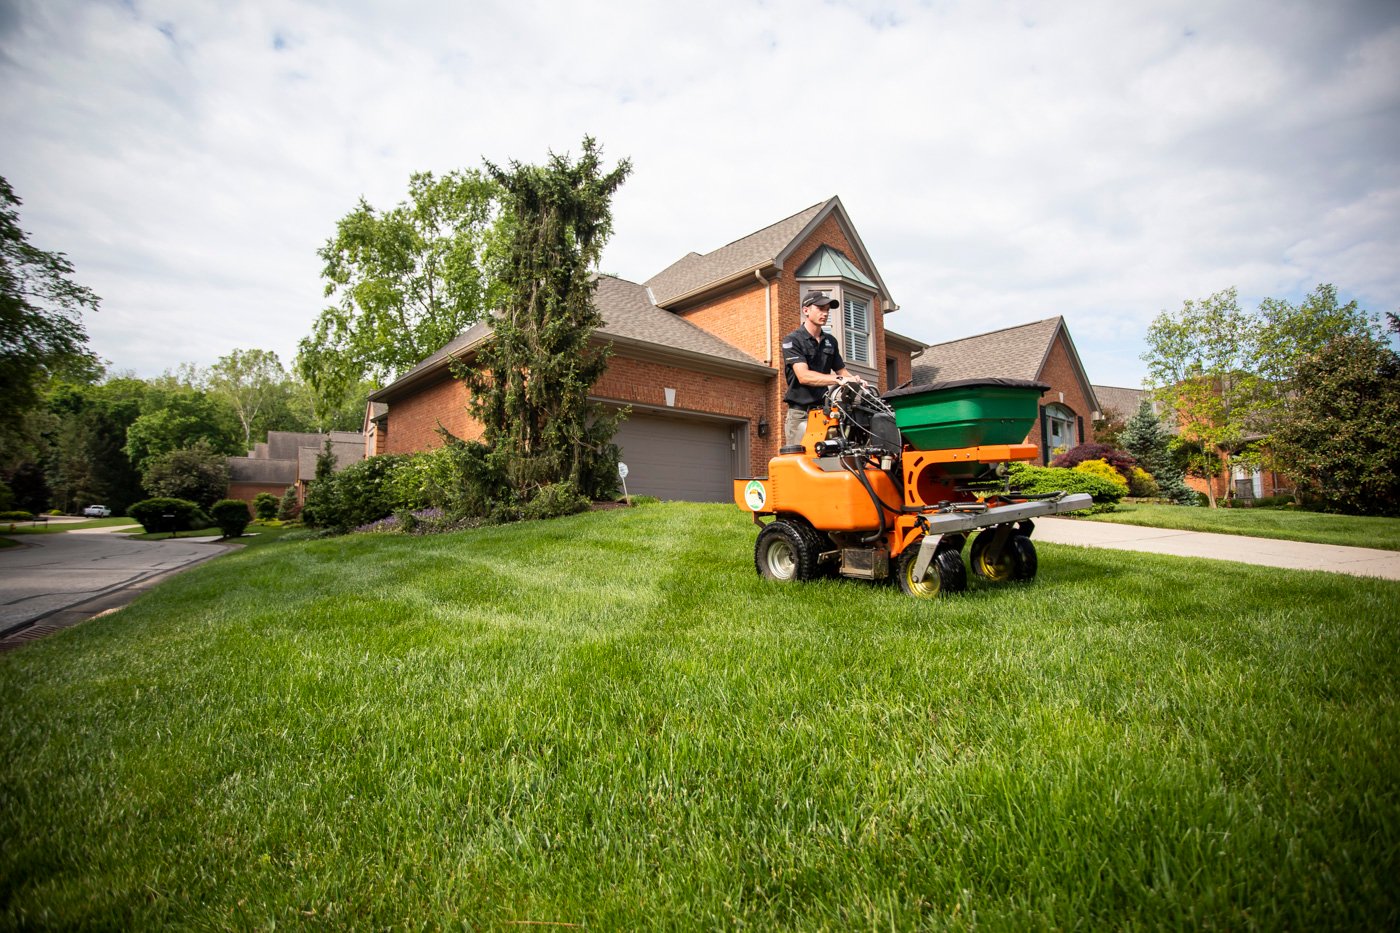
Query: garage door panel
[677, 458]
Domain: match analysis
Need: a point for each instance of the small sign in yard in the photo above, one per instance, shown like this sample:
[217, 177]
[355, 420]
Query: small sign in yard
[622, 473]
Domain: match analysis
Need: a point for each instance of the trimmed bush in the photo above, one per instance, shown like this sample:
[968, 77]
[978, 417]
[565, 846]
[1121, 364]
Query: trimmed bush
[231, 515]
[16, 516]
[264, 506]
[1141, 485]
[1120, 460]
[185, 515]
[1101, 469]
[1040, 481]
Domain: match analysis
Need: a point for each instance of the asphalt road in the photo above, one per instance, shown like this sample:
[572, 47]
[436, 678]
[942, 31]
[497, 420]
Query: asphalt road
[60, 578]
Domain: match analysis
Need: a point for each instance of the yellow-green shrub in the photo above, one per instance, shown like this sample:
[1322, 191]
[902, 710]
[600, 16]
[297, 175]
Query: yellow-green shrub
[1102, 470]
[1142, 484]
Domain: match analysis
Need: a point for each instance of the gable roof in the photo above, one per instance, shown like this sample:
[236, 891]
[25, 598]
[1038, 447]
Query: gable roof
[694, 272]
[693, 275]
[630, 319]
[1011, 353]
[828, 262]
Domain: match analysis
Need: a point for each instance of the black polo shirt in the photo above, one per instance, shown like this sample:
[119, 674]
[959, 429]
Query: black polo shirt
[820, 355]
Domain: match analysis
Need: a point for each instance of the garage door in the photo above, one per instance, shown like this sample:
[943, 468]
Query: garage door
[677, 458]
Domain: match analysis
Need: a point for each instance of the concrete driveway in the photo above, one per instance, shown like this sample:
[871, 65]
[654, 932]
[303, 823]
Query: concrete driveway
[57, 579]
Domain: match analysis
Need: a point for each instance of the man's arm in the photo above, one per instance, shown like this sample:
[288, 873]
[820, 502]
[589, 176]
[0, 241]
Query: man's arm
[808, 377]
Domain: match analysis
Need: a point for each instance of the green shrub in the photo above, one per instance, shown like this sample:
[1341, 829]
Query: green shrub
[555, 500]
[185, 515]
[231, 515]
[289, 509]
[1103, 470]
[16, 516]
[1040, 481]
[357, 495]
[265, 507]
[1141, 485]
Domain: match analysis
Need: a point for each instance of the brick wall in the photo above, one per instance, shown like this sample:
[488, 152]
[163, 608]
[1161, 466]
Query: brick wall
[414, 419]
[904, 363]
[247, 491]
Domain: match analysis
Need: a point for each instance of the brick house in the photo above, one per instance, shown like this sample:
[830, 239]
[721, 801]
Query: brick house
[1244, 483]
[1040, 352]
[695, 356]
[288, 458]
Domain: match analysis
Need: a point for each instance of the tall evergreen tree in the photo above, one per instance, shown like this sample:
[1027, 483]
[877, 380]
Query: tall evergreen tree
[1148, 441]
[530, 383]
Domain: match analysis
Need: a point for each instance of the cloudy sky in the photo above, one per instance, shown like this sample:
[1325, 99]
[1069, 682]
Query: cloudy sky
[1003, 162]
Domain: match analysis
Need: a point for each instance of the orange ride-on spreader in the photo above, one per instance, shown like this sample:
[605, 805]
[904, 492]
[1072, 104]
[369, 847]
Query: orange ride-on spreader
[883, 486]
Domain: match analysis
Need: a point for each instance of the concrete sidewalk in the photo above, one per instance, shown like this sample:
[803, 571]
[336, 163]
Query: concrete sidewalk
[1265, 552]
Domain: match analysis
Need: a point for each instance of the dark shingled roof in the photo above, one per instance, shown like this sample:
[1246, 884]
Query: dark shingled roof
[1013, 353]
[628, 313]
[261, 470]
[694, 271]
[1124, 401]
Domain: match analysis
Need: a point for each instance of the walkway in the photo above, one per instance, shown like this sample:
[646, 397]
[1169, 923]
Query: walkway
[1266, 552]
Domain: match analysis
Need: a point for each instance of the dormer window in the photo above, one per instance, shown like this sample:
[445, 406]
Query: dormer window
[831, 273]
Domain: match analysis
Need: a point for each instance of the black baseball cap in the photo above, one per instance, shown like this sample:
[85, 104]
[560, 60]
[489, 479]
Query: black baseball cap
[821, 300]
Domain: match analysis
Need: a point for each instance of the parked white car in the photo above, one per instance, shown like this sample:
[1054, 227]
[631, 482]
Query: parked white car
[97, 511]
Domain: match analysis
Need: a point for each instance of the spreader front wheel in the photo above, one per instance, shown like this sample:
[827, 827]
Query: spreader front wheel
[945, 574]
[1016, 561]
[786, 552]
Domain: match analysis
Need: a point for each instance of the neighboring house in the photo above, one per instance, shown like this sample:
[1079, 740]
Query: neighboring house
[1244, 482]
[288, 458]
[1125, 402]
[695, 356]
[1040, 352]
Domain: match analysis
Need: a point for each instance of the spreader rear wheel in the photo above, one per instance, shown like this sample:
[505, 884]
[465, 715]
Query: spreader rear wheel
[1016, 561]
[786, 551]
[946, 574]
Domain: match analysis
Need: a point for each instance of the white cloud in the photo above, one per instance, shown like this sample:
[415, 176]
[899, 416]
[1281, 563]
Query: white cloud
[1003, 162]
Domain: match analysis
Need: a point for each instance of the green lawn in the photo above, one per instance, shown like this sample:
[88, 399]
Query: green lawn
[50, 528]
[254, 535]
[1349, 530]
[610, 720]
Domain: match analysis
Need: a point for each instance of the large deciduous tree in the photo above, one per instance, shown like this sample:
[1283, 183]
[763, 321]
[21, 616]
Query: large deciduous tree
[41, 327]
[265, 397]
[405, 281]
[1340, 438]
[178, 419]
[1201, 360]
[530, 383]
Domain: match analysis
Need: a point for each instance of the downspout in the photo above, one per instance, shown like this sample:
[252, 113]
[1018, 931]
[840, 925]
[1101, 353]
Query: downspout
[767, 316]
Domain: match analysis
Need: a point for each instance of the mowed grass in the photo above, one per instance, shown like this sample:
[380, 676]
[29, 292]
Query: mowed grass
[1290, 525]
[56, 527]
[609, 720]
